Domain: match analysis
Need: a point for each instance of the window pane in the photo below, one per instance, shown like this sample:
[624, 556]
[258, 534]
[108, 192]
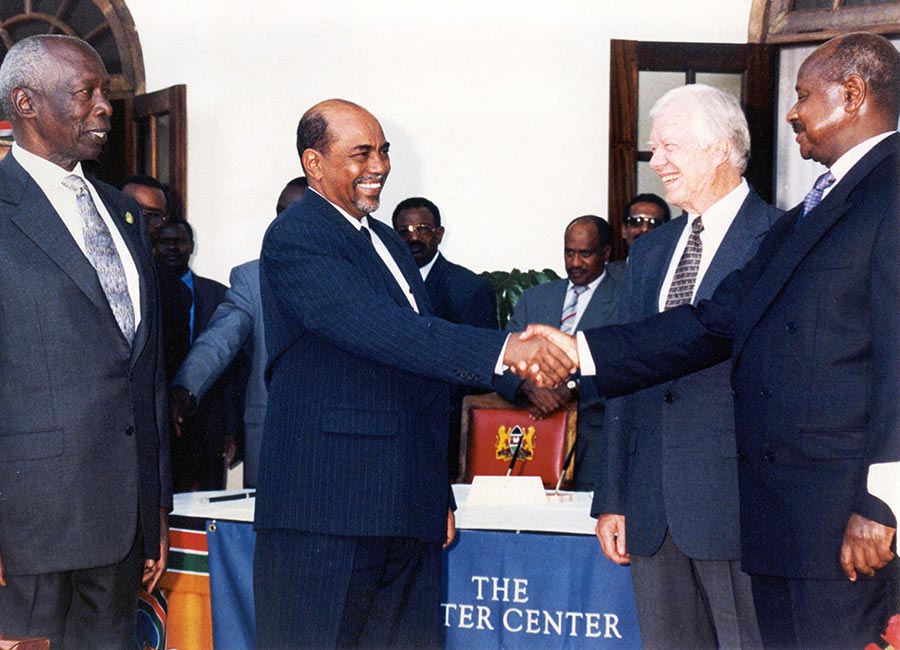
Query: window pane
[866, 3]
[730, 83]
[652, 86]
[163, 173]
[145, 145]
[809, 5]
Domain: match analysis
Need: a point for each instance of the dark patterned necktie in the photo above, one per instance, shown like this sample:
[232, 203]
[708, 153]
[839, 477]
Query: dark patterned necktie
[814, 197]
[103, 256]
[681, 291]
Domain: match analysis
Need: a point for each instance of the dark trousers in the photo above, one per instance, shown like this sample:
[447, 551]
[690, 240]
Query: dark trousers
[327, 591]
[686, 603]
[802, 613]
[87, 608]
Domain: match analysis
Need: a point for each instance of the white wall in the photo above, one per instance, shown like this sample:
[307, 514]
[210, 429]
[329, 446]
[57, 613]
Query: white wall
[496, 110]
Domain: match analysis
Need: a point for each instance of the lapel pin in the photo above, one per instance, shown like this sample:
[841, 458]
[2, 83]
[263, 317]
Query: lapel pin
[129, 218]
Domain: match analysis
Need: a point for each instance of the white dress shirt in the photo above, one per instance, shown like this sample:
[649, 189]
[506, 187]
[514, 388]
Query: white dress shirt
[716, 221]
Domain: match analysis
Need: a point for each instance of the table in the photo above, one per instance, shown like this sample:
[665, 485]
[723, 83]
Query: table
[517, 577]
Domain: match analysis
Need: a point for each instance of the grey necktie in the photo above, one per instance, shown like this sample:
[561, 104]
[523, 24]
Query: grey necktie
[681, 291]
[103, 256]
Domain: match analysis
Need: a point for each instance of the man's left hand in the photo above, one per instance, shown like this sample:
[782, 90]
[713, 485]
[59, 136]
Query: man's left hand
[866, 547]
[155, 569]
[451, 528]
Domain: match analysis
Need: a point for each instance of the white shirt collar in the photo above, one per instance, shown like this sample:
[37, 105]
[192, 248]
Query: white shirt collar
[425, 270]
[718, 217]
[846, 162]
[590, 285]
[44, 172]
[357, 223]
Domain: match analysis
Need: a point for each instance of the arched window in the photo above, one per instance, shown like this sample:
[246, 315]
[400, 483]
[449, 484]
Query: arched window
[149, 132]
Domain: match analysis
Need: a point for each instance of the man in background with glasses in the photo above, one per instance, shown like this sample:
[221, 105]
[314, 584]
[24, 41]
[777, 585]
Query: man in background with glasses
[150, 194]
[456, 293]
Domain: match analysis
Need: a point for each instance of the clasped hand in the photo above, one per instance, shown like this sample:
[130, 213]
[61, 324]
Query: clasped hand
[542, 354]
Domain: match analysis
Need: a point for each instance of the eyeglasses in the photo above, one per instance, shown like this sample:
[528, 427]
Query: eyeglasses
[156, 217]
[641, 219]
[421, 229]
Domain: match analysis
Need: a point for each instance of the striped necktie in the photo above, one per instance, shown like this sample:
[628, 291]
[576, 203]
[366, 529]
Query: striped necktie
[681, 291]
[570, 309]
[814, 197]
[103, 256]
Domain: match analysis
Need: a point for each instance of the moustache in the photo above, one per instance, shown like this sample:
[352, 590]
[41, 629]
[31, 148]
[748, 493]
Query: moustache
[797, 126]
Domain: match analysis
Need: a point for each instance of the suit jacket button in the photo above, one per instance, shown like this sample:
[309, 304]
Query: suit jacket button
[734, 392]
[742, 455]
[129, 431]
[769, 456]
[668, 398]
[765, 392]
[792, 328]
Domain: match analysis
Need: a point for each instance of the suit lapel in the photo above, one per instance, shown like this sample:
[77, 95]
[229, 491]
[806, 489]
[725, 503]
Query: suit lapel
[400, 252]
[364, 253]
[434, 282]
[657, 261]
[35, 216]
[741, 239]
[554, 308]
[799, 240]
[600, 308]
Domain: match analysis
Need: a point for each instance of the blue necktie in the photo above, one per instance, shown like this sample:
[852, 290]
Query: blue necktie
[814, 197]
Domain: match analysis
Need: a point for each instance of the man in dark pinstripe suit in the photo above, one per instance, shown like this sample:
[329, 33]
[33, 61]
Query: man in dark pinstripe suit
[352, 506]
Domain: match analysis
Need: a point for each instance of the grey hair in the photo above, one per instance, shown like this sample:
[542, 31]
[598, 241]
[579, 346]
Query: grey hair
[24, 67]
[717, 116]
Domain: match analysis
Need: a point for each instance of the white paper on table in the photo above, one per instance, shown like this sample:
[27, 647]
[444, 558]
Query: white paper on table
[884, 483]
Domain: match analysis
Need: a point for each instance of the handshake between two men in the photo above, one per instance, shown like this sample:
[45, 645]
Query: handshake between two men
[542, 354]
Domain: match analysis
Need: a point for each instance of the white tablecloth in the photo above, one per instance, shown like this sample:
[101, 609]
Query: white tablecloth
[572, 517]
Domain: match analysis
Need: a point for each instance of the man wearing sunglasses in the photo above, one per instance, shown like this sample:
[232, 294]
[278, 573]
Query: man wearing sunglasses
[642, 214]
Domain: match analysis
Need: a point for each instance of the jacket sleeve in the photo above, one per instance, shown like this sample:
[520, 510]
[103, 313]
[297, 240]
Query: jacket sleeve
[225, 335]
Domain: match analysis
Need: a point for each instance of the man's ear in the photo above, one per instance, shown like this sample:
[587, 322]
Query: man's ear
[22, 102]
[312, 163]
[855, 91]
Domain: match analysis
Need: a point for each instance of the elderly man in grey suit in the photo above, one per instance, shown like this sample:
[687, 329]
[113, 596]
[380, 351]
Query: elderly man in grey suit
[667, 490]
[589, 298]
[236, 324]
[84, 477]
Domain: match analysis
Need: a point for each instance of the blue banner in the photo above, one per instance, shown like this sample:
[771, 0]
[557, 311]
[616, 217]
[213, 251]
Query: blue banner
[502, 590]
[507, 590]
[231, 584]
